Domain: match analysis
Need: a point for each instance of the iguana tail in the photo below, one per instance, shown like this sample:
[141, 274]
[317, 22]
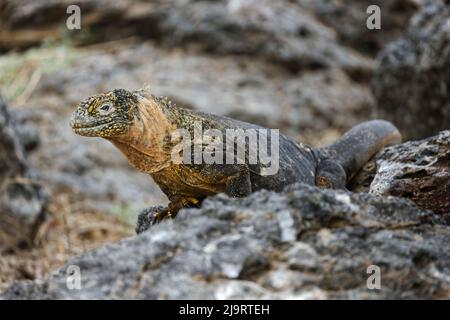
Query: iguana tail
[362, 142]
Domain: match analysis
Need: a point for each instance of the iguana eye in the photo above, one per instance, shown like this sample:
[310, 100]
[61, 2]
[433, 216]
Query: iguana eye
[106, 108]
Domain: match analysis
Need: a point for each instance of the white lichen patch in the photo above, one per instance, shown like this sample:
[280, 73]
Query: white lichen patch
[162, 236]
[287, 226]
[388, 171]
[302, 255]
[345, 199]
[239, 290]
[308, 294]
[213, 245]
[231, 270]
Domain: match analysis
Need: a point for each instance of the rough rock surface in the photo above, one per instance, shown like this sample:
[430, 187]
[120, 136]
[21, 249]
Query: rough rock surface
[348, 18]
[302, 243]
[412, 81]
[418, 170]
[282, 31]
[22, 199]
[27, 132]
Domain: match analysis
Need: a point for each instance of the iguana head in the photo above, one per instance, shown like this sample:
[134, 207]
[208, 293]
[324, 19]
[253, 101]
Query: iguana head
[105, 115]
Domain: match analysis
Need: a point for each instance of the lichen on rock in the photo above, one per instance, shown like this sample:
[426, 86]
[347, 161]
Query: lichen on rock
[418, 170]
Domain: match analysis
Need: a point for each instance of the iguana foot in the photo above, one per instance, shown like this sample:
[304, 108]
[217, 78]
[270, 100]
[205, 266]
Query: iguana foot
[153, 215]
[150, 216]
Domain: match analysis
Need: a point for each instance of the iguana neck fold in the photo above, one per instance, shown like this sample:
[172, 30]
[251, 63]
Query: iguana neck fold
[146, 142]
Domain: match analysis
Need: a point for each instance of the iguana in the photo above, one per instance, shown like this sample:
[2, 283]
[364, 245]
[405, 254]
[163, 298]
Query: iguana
[141, 126]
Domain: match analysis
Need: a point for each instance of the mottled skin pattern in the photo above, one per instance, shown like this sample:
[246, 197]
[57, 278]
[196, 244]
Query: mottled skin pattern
[140, 125]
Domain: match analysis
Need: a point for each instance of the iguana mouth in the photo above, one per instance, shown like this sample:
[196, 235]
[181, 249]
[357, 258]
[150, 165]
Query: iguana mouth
[90, 130]
[88, 125]
[105, 129]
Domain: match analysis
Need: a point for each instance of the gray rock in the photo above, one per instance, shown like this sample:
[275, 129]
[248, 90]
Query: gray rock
[22, 198]
[348, 18]
[418, 170]
[27, 132]
[412, 80]
[281, 31]
[302, 243]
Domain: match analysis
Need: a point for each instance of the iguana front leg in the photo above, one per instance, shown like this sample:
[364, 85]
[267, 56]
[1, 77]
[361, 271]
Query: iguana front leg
[176, 204]
[234, 180]
[153, 215]
[239, 185]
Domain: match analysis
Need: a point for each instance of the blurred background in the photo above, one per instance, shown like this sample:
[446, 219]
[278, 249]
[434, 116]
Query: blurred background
[303, 66]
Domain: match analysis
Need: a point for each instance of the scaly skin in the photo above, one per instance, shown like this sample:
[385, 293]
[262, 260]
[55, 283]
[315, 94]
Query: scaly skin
[140, 125]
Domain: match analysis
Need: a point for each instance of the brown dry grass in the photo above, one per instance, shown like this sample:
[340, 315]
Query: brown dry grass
[69, 230]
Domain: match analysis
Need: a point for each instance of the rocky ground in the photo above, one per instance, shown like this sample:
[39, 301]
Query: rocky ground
[310, 68]
[301, 244]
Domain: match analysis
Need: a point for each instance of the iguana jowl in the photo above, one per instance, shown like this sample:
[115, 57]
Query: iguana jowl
[140, 125]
